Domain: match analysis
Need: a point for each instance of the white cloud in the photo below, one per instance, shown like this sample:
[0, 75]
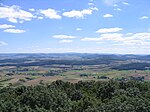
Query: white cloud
[115, 5]
[63, 37]
[112, 2]
[79, 14]
[94, 8]
[40, 17]
[32, 9]
[107, 15]
[129, 34]
[21, 21]
[118, 9]
[13, 20]
[144, 17]
[65, 41]
[90, 39]
[90, 4]
[113, 37]
[2, 43]
[3, 26]
[91, 0]
[109, 30]
[125, 3]
[14, 31]
[50, 13]
[78, 29]
[14, 13]
[137, 39]
[109, 37]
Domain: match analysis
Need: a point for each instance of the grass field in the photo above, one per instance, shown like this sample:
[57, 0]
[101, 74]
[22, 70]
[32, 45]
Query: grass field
[72, 76]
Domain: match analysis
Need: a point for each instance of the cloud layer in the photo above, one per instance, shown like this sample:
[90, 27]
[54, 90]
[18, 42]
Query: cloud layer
[14, 14]
[63, 37]
[50, 13]
[2, 43]
[107, 15]
[3, 26]
[79, 14]
[14, 31]
[109, 30]
[136, 39]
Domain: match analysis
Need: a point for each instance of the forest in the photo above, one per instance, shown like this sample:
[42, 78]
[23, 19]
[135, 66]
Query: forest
[74, 55]
[89, 96]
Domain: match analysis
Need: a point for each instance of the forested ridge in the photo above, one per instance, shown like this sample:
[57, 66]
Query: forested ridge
[59, 96]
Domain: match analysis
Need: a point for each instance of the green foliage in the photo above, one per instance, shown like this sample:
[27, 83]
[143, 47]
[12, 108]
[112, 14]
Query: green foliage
[59, 96]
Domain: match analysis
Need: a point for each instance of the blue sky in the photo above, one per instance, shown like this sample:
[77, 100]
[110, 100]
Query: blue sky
[84, 26]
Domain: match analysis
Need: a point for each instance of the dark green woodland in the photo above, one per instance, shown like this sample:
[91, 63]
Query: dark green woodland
[59, 96]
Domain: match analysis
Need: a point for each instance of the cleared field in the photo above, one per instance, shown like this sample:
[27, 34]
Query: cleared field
[33, 69]
[72, 76]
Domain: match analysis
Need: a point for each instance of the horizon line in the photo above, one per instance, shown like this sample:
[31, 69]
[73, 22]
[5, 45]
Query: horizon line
[75, 53]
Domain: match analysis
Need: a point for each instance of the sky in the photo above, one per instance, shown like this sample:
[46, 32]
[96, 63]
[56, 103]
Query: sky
[81, 26]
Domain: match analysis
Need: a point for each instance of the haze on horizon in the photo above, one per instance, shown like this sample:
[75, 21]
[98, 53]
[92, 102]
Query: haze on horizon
[87, 26]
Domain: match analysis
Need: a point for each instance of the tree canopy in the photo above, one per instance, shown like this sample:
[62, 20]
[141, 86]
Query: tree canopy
[59, 96]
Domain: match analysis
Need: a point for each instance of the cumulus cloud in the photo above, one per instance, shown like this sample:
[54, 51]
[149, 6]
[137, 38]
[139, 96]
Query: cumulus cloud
[115, 5]
[91, 0]
[63, 37]
[50, 13]
[21, 21]
[94, 8]
[14, 13]
[144, 17]
[2, 43]
[40, 17]
[90, 39]
[14, 31]
[125, 3]
[142, 39]
[129, 34]
[65, 41]
[3, 26]
[32, 9]
[112, 2]
[111, 36]
[118, 9]
[109, 30]
[79, 14]
[91, 4]
[78, 29]
[12, 20]
[107, 15]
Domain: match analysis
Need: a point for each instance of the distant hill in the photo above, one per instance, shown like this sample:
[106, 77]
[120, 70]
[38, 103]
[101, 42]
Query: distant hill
[114, 61]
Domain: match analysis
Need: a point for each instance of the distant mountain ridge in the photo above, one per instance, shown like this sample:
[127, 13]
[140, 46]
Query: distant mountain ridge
[114, 61]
